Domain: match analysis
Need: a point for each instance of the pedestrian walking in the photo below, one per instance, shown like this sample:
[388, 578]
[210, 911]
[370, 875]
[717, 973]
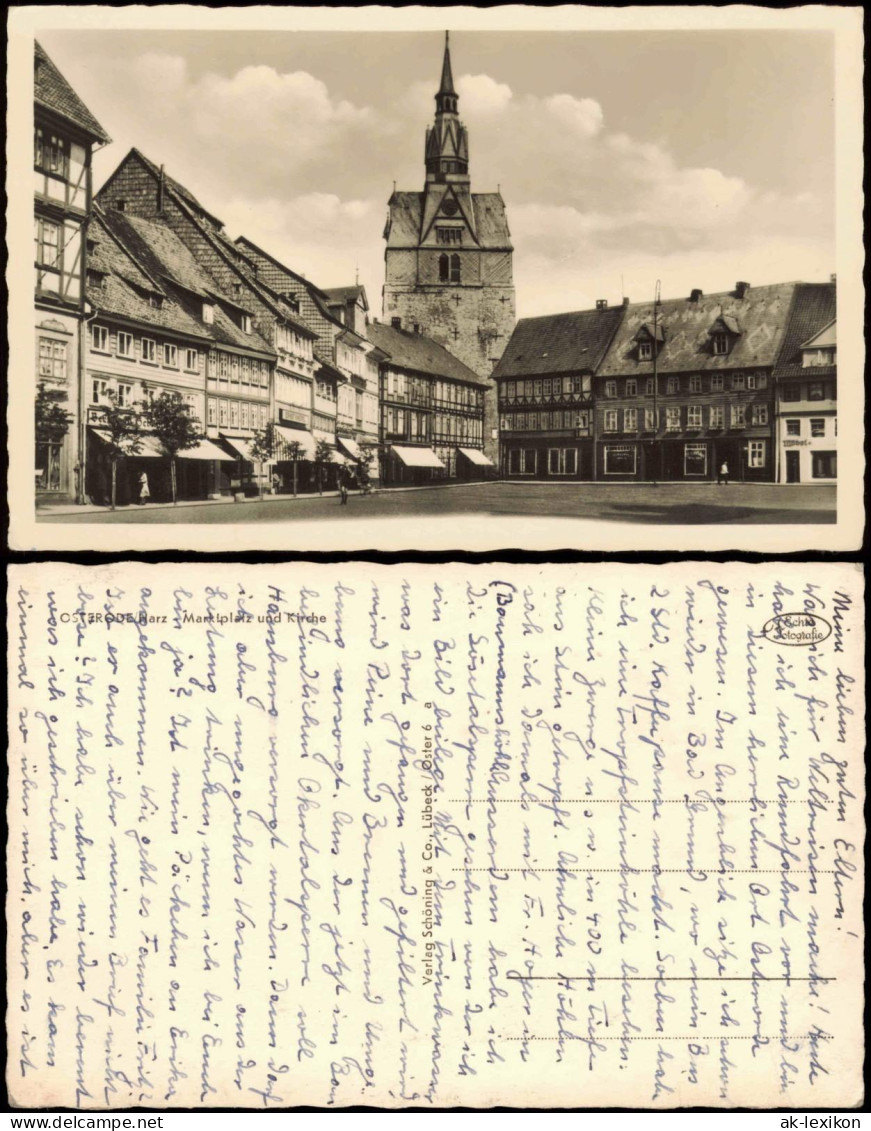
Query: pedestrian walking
[343, 493]
[144, 491]
[723, 475]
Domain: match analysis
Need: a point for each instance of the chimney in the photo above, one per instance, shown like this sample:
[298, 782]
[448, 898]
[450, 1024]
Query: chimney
[161, 183]
[695, 294]
[741, 289]
[601, 304]
[396, 323]
[833, 278]
[625, 300]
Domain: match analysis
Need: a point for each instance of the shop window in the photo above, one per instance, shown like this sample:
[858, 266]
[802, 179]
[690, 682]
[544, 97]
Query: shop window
[695, 459]
[824, 465]
[620, 459]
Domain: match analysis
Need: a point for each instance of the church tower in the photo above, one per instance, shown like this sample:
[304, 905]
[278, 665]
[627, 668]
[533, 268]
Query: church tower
[448, 255]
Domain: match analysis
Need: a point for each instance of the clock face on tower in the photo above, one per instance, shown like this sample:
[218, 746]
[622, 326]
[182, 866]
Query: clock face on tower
[450, 208]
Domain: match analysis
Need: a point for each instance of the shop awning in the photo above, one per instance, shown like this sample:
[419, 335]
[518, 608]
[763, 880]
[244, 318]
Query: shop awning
[205, 449]
[148, 444]
[417, 457]
[476, 456]
[241, 445]
[351, 447]
[298, 436]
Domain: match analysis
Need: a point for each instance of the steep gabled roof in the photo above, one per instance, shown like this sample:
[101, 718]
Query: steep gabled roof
[813, 309]
[164, 256]
[559, 343]
[760, 315]
[177, 187]
[51, 90]
[126, 289]
[407, 350]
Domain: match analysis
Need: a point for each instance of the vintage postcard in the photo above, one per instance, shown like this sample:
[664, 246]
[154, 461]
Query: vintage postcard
[417, 836]
[440, 279]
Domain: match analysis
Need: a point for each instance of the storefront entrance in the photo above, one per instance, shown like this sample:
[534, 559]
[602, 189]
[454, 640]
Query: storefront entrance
[793, 473]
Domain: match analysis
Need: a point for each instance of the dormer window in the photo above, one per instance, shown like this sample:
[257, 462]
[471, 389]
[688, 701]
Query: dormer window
[208, 312]
[723, 333]
[649, 338]
[246, 323]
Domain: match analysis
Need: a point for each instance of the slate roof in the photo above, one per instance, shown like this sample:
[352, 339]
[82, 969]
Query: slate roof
[491, 222]
[813, 308]
[407, 350]
[761, 316]
[51, 90]
[559, 343]
[167, 259]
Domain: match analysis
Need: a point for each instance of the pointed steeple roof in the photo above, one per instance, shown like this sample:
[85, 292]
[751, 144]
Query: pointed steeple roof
[447, 84]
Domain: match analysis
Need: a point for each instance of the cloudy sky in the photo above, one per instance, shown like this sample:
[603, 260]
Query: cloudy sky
[695, 157]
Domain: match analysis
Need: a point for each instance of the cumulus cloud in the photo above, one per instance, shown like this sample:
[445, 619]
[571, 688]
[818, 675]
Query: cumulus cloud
[319, 235]
[582, 115]
[481, 94]
[279, 156]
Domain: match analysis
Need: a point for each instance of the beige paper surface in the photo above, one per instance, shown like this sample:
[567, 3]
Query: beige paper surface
[474, 531]
[418, 835]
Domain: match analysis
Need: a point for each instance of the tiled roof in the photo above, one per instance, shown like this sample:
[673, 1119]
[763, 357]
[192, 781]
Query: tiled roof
[813, 308]
[166, 258]
[343, 295]
[761, 316]
[559, 343]
[273, 281]
[53, 91]
[415, 351]
[126, 288]
[491, 222]
[172, 183]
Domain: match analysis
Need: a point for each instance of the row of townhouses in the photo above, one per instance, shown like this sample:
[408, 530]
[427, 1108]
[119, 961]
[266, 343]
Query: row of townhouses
[140, 291]
[676, 389]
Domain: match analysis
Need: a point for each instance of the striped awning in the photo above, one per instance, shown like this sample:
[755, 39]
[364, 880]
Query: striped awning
[298, 436]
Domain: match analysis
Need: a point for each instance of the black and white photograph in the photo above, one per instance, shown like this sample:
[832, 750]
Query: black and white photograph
[435, 283]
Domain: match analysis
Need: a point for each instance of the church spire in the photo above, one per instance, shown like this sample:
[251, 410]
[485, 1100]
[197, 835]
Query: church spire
[447, 145]
[447, 86]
